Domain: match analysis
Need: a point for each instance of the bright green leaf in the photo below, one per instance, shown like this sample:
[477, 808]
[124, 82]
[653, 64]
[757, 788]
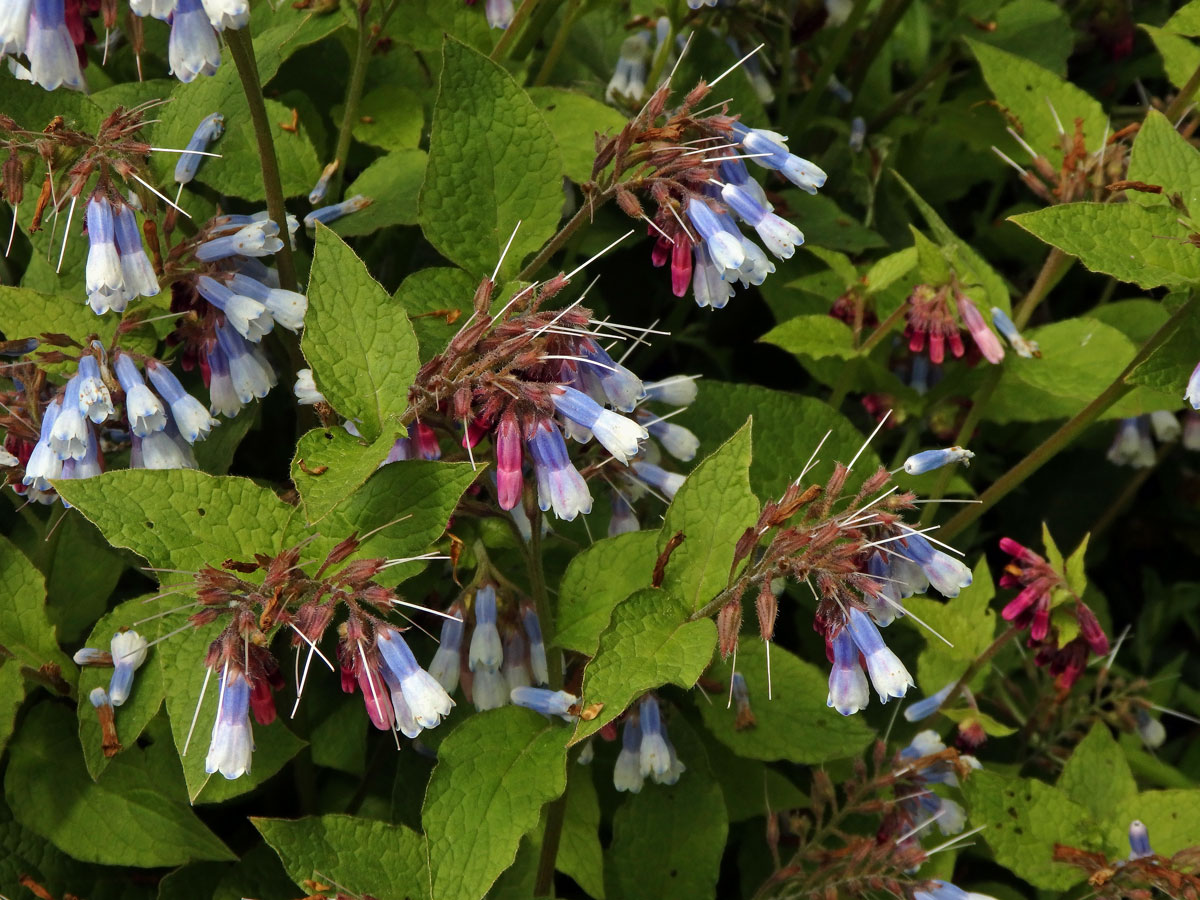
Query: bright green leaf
[794, 724]
[438, 302]
[966, 621]
[1180, 56]
[649, 642]
[361, 855]
[1080, 358]
[597, 580]
[330, 464]
[25, 631]
[494, 773]
[359, 342]
[392, 183]
[493, 162]
[890, 269]
[12, 695]
[1097, 776]
[576, 119]
[818, 336]
[389, 116]
[1162, 156]
[712, 509]
[579, 852]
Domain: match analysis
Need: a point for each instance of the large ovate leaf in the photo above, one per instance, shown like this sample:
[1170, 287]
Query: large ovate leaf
[792, 720]
[181, 518]
[712, 509]
[392, 183]
[1033, 96]
[596, 581]
[360, 344]
[494, 773]
[1025, 818]
[1097, 776]
[134, 815]
[1142, 245]
[493, 162]
[650, 642]
[576, 119]
[813, 335]
[362, 855]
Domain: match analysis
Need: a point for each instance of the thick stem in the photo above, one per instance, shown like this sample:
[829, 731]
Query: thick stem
[556, 812]
[1184, 97]
[980, 661]
[884, 329]
[354, 91]
[1070, 430]
[514, 28]
[242, 49]
[584, 213]
[1054, 268]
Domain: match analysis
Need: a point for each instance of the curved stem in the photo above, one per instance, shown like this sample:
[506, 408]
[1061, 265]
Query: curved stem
[241, 47]
[354, 91]
[1054, 268]
[560, 43]
[980, 661]
[514, 28]
[1070, 430]
[584, 213]
[1184, 97]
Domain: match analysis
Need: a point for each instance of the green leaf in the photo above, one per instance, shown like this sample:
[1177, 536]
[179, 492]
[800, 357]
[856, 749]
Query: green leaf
[181, 518]
[1180, 56]
[839, 264]
[787, 428]
[1132, 243]
[990, 726]
[181, 659]
[596, 580]
[145, 698]
[890, 269]
[1027, 92]
[1037, 30]
[1162, 156]
[129, 817]
[493, 161]
[389, 116]
[25, 631]
[1168, 368]
[359, 343]
[27, 313]
[750, 787]
[361, 855]
[1076, 577]
[494, 772]
[579, 852]
[712, 509]
[1080, 358]
[1097, 776]
[794, 724]
[818, 336]
[650, 642]
[1186, 20]
[1172, 817]
[438, 301]
[330, 464]
[1025, 819]
[825, 224]
[980, 281]
[392, 182]
[966, 621]
[668, 841]
[576, 119]
[12, 695]
[1053, 554]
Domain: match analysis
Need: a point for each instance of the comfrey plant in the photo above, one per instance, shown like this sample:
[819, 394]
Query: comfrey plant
[534, 586]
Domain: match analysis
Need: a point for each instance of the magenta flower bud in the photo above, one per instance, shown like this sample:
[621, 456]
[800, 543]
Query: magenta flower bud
[1090, 628]
[376, 697]
[985, 339]
[509, 479]
[681, 265]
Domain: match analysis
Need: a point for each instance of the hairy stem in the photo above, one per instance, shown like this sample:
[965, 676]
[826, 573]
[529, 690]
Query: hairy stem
[1184, 97]
[584, 213]
[524, 11]
[980, 661]
[242, 49]
[1070, 430]
[354, 92]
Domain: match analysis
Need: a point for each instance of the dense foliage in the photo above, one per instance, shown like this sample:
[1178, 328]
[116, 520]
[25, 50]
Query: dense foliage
[607, 448]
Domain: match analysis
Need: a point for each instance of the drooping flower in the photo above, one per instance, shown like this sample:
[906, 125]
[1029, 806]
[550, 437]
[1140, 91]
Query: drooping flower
[848, 690]
[193, 48]
[231, 748]
[128, 651]
[211, 128]
[53, 60]
[1139, 840]
[888, 674]
[928, 460]
[546, 701]
[628, 82]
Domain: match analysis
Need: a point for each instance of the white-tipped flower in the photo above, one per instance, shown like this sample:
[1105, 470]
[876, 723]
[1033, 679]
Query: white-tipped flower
[306, 390]
[677, 391]
[128, 649]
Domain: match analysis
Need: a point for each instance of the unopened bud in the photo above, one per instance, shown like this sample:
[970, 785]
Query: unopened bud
[13, 179]
[767, 607]
[729, 624]
[109, 743]
[629, 203]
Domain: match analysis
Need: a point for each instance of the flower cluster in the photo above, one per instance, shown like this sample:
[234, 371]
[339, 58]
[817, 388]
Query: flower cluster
[159, 429]
[1132, 445]
[1044, 590]
[528, 380]
[646, 751]
[931, 319]
[919, 807]
[126, 653]
[372, 655]
[505, 651]
[691, 167]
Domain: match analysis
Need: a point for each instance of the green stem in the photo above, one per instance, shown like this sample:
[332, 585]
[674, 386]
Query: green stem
[1070, 430]
[980, 661]
[841, 44]
[241, 47]
[883, 330]
[584, 213]
[1184, 97]
[514, 28]
[354, 92]
[560, 43]
[970, 422]
[1054, 268]
[556, 812]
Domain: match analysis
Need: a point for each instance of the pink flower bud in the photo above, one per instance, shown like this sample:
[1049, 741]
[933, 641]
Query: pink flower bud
[509, 480]
[985, 339]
